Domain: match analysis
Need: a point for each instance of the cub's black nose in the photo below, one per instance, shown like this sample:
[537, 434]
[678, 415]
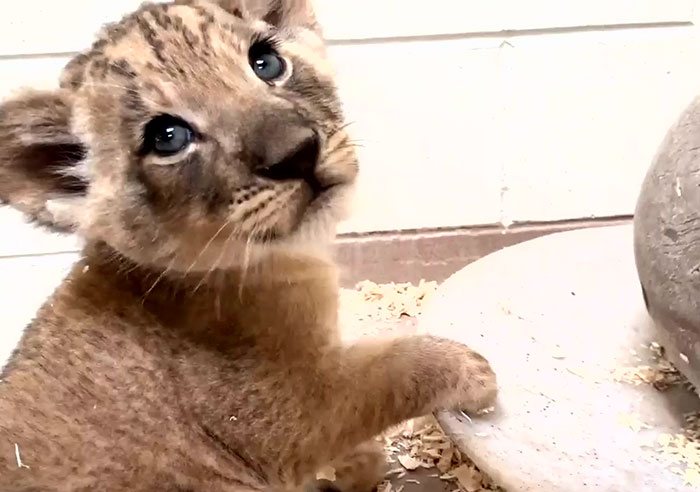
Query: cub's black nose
[297, 160]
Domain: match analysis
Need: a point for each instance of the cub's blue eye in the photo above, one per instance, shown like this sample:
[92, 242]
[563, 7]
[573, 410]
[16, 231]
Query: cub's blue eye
[172, 139]
[167, 135]
[265, 62]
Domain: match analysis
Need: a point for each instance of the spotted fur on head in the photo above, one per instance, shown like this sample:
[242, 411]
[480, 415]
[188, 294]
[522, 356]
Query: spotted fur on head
[70, 158]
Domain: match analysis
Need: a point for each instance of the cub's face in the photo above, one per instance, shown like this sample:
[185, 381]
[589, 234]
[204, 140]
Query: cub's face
[190, 137]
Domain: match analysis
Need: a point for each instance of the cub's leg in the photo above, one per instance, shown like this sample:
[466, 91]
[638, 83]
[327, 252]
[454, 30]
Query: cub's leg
[359, 391]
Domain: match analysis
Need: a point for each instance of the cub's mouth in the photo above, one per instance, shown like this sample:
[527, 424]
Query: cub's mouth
[321, 193]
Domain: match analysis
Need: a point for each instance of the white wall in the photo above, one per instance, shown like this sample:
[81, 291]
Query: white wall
[470, 111]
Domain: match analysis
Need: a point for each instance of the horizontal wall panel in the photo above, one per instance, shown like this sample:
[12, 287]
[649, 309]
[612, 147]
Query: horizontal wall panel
[361, 19]
[427, 117]
[30, 27]
[584, 120]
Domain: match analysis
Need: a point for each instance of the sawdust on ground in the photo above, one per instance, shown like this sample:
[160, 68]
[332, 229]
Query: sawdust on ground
[679, 452]
[422, 444]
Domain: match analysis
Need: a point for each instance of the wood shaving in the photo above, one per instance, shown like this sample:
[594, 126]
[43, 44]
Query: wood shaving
[692, 425]
[371, 301]
[632, 421]
[408, 462]
[429, 447]
[385, 487]
[468, 477]
[444, 464]
[662, 374]
[684, 453]
[680, 452]
[657, 349]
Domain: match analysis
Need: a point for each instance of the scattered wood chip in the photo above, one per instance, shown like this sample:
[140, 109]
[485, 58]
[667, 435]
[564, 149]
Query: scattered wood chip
[468, 477]
[680, 452]
[428, 447]
[692, 477]
[386, 301]
[661, 374]
[632, 421]
[445, 461]
[661, 377]
[385, 487]
[408, 462]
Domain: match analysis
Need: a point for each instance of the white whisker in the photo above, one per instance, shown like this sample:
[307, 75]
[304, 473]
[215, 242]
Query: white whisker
[159, 278]
[207, 245]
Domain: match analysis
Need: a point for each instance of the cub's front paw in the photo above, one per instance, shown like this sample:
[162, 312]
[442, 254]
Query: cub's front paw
[472, 384]
[480, 387]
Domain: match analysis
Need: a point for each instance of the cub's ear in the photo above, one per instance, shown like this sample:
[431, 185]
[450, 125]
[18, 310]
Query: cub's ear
[279, 13]
[41, 161]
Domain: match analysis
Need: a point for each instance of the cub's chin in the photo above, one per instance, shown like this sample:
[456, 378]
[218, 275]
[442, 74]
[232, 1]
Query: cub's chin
[317, 225]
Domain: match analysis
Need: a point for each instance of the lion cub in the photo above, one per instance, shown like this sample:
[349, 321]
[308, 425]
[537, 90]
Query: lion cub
[199, 149]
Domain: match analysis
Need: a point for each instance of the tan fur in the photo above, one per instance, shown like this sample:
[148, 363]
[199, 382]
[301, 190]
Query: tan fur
[194, 347]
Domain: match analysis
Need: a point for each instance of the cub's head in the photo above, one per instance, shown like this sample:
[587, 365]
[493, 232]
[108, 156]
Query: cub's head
[190, 135]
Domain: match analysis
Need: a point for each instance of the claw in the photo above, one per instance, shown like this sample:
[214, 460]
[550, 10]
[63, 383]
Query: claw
[466, 416]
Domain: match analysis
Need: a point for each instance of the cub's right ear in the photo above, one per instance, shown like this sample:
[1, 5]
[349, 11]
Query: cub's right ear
[41, 161]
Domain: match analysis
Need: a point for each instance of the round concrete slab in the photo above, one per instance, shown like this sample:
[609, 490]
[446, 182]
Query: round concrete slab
[556, 317]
